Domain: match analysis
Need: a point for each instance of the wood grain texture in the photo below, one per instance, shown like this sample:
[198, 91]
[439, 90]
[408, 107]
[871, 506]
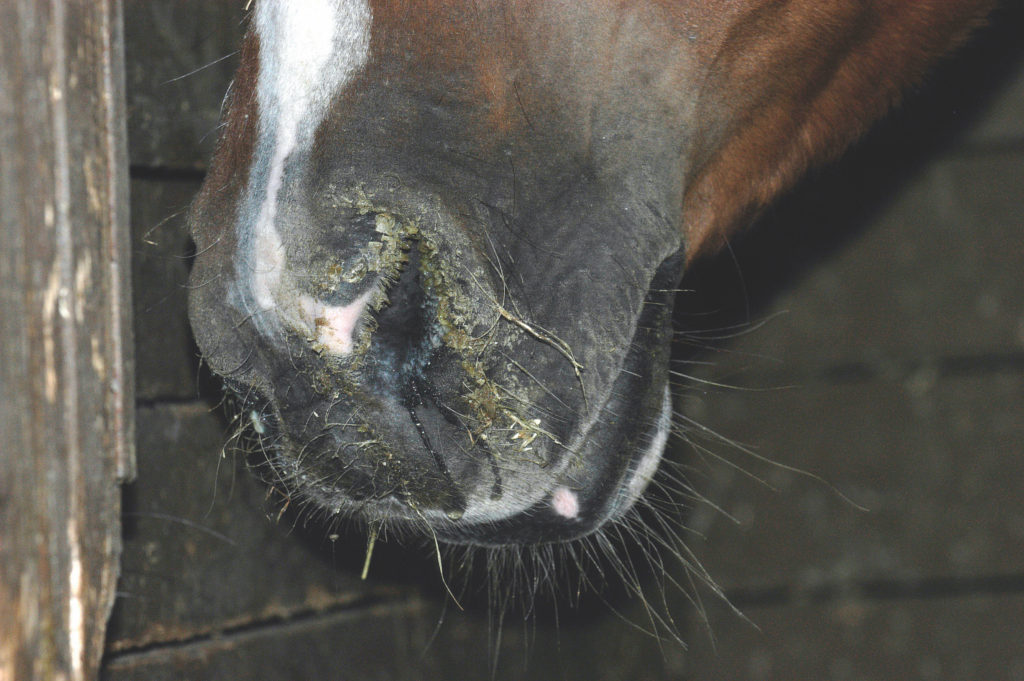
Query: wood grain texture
[66, 417]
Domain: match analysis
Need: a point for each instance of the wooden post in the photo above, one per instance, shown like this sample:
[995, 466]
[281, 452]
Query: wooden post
[66, 380]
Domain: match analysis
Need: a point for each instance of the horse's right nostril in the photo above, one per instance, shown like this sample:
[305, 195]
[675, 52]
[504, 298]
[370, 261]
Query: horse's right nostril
[406, 331]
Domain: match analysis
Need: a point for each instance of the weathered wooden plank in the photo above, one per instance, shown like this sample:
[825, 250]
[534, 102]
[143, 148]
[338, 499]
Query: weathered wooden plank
[406, 641]
[958, 638]
[937, 463]
[989, 74]
[934, 273]
[65, 355]
[200, 554]
[377, 643]
[179, 63]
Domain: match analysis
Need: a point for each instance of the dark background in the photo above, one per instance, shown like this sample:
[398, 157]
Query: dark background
[870, 330]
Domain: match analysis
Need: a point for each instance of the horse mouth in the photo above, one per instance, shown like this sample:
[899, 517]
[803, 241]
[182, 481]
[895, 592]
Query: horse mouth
[454, 420]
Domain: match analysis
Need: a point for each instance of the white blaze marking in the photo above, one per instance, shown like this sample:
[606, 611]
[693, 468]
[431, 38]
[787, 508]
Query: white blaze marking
[309, 50]
[269, 262]
[565, 502]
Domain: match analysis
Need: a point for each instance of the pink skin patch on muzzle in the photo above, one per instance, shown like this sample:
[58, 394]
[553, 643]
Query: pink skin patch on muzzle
[565, 502]
[335, 325]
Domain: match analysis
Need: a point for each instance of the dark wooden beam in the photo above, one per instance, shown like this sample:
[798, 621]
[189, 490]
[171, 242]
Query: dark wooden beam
[66, 379]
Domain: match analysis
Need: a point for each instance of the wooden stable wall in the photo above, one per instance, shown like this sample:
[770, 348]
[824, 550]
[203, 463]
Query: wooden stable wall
[896, 375]
[66, 411]
[891, 363]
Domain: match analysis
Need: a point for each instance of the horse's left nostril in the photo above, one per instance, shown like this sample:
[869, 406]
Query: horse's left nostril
[405, 331]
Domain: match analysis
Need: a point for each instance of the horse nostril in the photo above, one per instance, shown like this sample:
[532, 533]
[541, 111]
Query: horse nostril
[406, 333]
[379, 376]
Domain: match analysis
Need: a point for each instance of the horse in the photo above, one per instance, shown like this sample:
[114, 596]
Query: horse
[438, 242]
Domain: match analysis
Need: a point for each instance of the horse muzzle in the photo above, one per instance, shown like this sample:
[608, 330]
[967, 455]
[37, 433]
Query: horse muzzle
[400, 366]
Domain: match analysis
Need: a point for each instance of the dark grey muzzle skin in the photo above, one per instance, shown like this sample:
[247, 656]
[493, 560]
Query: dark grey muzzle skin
[516, 344]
